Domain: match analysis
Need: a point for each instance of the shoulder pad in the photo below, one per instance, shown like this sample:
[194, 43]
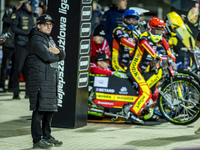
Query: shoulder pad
[118, 28]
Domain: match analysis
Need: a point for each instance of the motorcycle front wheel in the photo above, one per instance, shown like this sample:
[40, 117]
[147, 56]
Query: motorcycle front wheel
[179, 102]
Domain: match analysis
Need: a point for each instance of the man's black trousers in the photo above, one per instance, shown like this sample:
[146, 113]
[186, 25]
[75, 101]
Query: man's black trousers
[21, 53]
[41, 125]
[8, 55]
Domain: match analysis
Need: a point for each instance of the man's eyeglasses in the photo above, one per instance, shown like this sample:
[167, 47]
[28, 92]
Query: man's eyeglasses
[48, 24]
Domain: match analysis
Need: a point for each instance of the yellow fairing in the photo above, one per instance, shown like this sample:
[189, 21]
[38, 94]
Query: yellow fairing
[114, 97]
[154, 78]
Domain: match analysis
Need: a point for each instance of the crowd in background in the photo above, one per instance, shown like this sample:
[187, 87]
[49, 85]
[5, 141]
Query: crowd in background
[18, 21]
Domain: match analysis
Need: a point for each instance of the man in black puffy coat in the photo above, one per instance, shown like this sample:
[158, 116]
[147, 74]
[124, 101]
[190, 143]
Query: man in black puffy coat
[42, 64]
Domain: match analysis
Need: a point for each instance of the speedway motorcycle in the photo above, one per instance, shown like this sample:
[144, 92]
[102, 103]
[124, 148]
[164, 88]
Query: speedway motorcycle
[176, 95]
[190, 68]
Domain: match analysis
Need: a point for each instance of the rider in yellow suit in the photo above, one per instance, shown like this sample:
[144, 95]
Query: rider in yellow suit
[124, 40]
[141, 56]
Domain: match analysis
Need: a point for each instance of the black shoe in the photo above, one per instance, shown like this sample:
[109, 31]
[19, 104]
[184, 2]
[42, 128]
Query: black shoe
[54, 142]
[16, 97]
[134, 119]
[42, 144]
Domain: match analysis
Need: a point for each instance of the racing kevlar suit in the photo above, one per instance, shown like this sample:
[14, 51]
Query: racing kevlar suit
[124, 43]
[142, 56]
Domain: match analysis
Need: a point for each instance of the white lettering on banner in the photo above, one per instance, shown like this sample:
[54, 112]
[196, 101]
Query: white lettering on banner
[105, 103]
[86, 1]
[64, 7]
[85, 29]
[83, 80]
[61, 82]
[86, 13]
[84, 63]
[105, 90]
[62, 32]
[85, 46]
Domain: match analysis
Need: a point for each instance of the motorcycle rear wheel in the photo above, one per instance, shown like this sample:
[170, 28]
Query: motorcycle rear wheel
[180, 103]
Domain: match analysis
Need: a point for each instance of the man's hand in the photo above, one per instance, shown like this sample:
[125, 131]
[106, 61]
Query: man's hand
[2, 41]
[5, 37]
[54, 49]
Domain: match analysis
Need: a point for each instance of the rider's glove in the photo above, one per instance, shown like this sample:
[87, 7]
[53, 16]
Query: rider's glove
[172, 57]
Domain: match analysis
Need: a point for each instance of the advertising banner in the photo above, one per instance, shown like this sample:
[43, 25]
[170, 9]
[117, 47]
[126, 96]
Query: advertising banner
[71, 32]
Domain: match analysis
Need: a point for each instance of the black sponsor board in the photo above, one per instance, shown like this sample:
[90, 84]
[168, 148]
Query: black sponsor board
[71, 32]
[113, 85]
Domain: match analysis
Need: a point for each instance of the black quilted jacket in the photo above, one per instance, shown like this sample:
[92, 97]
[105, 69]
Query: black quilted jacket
[42, 72]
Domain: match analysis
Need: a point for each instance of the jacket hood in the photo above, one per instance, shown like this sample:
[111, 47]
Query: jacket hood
[36, 32]
[24, 8]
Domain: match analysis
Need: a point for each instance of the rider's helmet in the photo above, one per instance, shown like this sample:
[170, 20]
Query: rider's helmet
[174, 21]
[130, 19]
[156, 27]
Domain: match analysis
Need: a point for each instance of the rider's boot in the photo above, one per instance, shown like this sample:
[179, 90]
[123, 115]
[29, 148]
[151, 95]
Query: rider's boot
[149, 114]
[130, 116]
[134, 119]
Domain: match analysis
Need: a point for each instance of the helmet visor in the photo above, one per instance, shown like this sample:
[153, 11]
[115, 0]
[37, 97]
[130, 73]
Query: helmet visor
[156, 31]
[131, 20]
